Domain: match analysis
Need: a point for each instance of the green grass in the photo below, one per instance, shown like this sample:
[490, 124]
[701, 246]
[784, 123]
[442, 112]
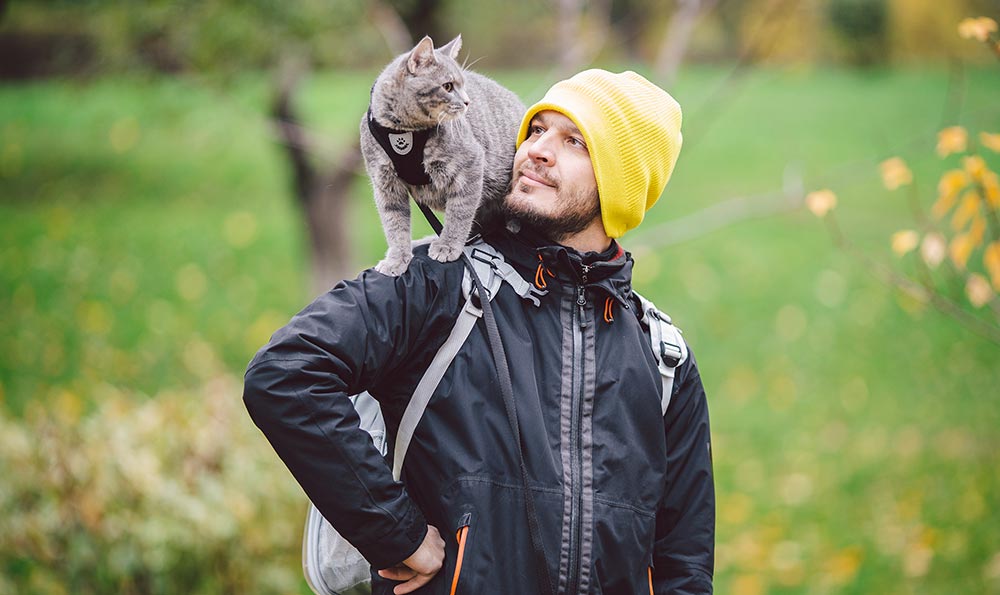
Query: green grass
[855, 431]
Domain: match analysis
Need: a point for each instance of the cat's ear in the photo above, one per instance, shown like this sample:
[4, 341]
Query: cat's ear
[421, 55]
[451, 48]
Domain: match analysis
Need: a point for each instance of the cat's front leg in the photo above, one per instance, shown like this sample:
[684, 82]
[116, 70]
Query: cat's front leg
[463, 200]
[393, 205]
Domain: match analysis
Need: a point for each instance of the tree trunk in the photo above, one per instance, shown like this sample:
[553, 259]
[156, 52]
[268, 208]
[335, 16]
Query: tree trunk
[678, 37]
[323, 198]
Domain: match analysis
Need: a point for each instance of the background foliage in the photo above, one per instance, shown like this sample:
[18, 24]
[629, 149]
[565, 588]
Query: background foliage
[150, 246]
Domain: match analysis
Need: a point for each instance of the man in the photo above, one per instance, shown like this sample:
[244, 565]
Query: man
[623, 491]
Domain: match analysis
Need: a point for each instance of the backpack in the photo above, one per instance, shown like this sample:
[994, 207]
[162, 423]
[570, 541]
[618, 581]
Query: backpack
[332, 566]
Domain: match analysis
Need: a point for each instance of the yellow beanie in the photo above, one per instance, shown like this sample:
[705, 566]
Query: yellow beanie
[633, 131]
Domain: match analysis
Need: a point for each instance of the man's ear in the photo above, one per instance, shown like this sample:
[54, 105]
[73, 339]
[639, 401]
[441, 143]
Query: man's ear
[421, 55]
[451, 48]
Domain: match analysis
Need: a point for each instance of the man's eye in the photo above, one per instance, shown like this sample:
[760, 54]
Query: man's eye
[577, 142]
[536, 129]
[448, 87]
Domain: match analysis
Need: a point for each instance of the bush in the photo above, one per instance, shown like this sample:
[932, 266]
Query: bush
[175, 494]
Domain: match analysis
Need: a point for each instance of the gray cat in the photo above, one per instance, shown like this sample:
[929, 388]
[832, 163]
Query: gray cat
[464, 127]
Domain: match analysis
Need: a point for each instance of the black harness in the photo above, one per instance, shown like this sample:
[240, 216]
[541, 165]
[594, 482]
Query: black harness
[405, 149]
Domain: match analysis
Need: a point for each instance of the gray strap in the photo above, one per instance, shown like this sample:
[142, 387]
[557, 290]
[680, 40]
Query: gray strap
[668, 347]
[429, 381]
[485, 253]
[493, 271]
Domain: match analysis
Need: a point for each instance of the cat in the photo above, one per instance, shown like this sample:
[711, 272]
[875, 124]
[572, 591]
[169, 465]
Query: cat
[467, 125]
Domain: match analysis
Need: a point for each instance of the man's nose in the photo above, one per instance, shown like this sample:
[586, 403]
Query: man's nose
[541, 150]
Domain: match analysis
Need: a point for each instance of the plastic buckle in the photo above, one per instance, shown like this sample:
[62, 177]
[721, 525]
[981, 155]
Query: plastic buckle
[670, 354]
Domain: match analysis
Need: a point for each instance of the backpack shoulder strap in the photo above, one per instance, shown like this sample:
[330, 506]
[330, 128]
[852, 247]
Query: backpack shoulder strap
[668, 346]
[493, 271]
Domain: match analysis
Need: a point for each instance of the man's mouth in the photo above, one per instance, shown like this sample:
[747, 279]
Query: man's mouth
[535, 179]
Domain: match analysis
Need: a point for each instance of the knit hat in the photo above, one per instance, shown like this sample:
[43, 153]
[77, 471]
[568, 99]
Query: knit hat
[633, 132]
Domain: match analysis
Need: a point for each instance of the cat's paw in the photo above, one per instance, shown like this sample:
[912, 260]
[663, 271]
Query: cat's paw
[442, 251]
[394, 265]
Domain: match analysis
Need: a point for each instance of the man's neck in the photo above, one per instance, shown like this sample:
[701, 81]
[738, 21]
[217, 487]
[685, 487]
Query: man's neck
[591, 239]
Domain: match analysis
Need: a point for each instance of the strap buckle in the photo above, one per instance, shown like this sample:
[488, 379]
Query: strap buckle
[670, 353]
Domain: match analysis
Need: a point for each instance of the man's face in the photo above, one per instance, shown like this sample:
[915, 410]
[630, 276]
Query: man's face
[553, 187]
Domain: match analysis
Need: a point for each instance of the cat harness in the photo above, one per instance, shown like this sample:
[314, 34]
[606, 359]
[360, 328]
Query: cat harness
[405, 148]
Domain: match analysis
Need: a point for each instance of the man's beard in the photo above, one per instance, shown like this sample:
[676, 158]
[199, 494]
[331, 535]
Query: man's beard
[576, 212]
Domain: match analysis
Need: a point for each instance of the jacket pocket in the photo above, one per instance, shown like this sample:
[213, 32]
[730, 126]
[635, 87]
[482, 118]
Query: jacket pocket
[462, 536]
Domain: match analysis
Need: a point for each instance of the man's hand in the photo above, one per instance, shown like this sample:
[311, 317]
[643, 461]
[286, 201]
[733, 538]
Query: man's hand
[420, 568]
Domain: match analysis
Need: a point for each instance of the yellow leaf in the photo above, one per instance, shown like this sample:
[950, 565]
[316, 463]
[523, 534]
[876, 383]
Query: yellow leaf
[975, 165]
[960, 249]
[932, 249]
[820, 202]
[977, 228]
[991, 186]
[951, 183]
[990, 141]
[991, 260]
[904, 240]
[978, 290]
[942, 205]
[968, 207]
[895, 173]
[843, 566]
[977, 28]
[952, 140]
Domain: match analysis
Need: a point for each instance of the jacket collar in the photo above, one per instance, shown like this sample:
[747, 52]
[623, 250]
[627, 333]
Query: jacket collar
[526, 248]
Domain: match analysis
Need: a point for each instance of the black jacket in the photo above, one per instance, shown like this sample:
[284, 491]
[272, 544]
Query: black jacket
[620, 489]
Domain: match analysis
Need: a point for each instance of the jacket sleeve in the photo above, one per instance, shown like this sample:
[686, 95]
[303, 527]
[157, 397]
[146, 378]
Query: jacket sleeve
[296, 390]
[684, 553]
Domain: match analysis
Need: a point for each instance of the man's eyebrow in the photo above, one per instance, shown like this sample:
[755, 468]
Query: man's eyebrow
[567, 125]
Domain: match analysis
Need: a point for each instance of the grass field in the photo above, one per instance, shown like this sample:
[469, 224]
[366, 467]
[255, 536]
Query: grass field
[149, 243]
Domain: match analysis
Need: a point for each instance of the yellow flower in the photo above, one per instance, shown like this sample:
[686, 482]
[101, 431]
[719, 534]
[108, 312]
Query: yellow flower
[977, 229]
[966, 210]
[903, 241]
[978, 29]
[895, 173]
[991, 260]
[975, 165]
[991, 187]
[948, 188]
[933, 249]
[978, 290]
[960, 249]
[990, 141]
[821, 201]
[952, 140]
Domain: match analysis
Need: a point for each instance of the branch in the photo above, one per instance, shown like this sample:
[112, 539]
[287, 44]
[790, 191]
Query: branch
[725, 213]
[943, 304]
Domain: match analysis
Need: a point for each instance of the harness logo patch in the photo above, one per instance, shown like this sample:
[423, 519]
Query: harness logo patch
[401, 143]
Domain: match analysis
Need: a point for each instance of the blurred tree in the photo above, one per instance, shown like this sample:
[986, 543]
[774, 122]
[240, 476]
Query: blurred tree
[861, 26]
[422, 17]
[924, 29]
[678, 36]
[323, 197]
[785, 31]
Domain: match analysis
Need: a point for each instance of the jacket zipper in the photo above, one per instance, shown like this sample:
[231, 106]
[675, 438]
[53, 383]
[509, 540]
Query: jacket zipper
[461, 536]
[576, 472]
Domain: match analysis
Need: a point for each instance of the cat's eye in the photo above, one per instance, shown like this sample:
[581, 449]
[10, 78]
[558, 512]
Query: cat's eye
[448, 87]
